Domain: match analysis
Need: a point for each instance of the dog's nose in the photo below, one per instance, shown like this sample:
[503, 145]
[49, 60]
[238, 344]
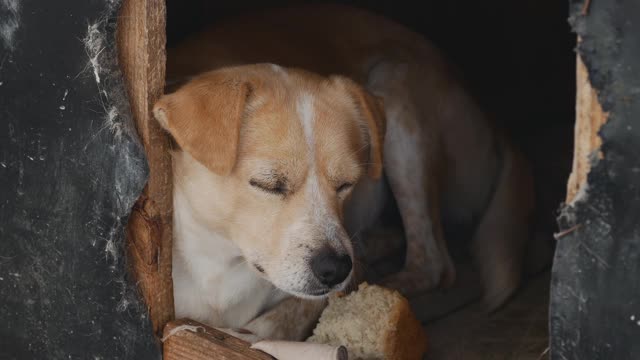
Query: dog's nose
[330, 268]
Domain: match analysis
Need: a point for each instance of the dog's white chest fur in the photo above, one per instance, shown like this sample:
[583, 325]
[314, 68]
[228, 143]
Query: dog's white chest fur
[212, 281]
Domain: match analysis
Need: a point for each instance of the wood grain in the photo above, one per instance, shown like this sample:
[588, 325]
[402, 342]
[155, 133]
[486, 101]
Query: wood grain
[589, 119]
[205, 343]
[141, 39]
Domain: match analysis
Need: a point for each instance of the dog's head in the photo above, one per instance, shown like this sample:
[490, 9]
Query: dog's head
[277, 152]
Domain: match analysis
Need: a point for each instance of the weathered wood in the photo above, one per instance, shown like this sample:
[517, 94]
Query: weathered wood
[589, 119]
[141, 53]
[189, 340]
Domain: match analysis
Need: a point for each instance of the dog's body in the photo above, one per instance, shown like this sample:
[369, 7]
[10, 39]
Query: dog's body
[280, 167]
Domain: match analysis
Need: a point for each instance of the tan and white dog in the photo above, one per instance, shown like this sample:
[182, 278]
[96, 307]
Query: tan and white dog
[276, 162]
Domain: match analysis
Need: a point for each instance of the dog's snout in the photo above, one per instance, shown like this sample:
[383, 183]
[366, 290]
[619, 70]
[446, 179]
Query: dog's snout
[330, 268]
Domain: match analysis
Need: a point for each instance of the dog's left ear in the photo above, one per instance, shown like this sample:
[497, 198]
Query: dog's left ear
[204, 117]
[371, 108]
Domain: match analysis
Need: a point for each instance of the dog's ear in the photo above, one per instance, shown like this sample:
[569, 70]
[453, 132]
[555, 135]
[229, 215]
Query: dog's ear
[371, 109]
[204, 117]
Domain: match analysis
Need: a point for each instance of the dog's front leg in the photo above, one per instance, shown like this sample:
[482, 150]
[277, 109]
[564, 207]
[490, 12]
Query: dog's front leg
[411, 162]
[291, 319]
[427, 262]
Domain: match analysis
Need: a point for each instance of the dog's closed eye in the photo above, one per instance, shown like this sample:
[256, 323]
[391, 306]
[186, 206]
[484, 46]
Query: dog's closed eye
[276, 187]
[344, 187]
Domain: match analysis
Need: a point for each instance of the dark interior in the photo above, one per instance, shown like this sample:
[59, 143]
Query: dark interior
[518, 59]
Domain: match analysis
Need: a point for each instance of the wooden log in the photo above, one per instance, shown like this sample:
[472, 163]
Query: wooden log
[189, 340]
[589, 119]
[141, 39]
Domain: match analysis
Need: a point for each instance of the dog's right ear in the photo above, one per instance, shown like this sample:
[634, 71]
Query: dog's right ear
[204, 117]
[372, 111]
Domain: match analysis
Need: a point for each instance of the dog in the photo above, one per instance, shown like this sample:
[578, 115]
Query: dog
[289, 126]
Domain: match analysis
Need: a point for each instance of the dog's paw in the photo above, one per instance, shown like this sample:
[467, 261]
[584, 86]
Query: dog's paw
[499, 289]
[414, 280]
[409, 283]
[448, 274]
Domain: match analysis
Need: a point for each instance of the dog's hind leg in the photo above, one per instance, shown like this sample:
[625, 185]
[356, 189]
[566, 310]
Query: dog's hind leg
[500, 238]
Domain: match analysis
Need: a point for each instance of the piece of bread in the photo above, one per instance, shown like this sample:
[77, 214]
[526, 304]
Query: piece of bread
[372, 323]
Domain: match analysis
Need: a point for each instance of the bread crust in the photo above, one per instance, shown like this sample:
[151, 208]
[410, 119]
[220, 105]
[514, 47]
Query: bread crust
[409, 340]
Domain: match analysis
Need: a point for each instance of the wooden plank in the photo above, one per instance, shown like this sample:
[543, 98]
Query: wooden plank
[141, 38]
[189, 340]
[589, 119]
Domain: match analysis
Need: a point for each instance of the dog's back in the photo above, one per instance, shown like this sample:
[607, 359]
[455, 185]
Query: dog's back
[376, 52]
